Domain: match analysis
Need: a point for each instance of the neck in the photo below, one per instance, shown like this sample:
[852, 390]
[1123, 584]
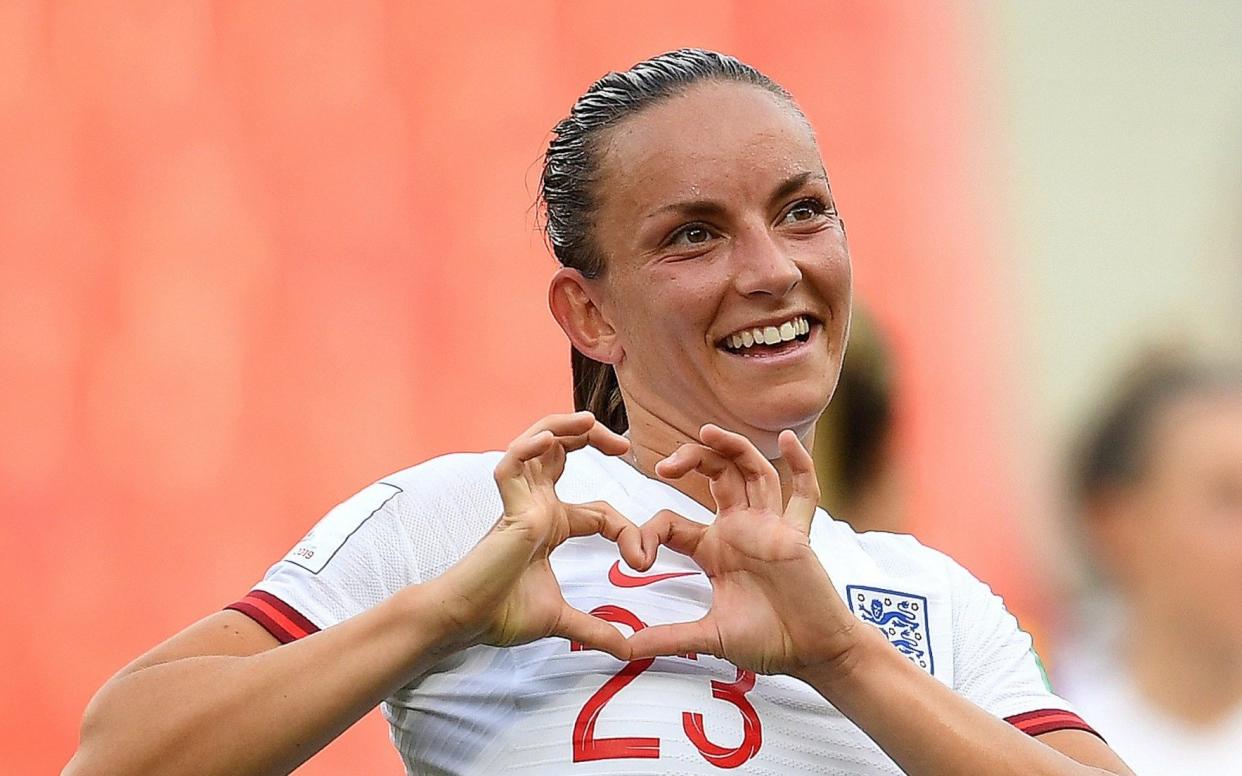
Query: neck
[652, 439]
[1183, 670]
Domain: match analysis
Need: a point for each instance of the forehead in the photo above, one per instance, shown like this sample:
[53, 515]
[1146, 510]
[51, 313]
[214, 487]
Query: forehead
[714, 134]
[1201, 426]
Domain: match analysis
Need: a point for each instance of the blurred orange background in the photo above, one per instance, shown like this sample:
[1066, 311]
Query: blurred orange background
[255, 255]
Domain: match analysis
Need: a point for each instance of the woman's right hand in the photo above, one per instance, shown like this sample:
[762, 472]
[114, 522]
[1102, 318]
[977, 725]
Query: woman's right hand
[503, 592]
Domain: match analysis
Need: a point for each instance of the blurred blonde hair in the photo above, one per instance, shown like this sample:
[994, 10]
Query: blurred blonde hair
[853, 437]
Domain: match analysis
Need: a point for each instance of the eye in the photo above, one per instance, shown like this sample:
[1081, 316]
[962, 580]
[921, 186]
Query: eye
[691, 234]
[805, 210]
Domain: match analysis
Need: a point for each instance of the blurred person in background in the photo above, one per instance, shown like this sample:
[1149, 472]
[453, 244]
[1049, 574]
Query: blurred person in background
[854, 456]
[1157, 479]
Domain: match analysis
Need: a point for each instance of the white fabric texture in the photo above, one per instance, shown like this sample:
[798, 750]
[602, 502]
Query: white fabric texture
[1093, 674]
[533, 709]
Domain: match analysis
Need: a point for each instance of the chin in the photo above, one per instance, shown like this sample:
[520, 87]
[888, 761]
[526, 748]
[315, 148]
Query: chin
[773, 417]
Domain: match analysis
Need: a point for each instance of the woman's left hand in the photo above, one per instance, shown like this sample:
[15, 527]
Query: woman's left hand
[774, 610]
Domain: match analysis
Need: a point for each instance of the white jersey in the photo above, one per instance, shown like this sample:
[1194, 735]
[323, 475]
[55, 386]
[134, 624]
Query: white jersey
[550, 708]
[1094, 674]
[1150, 740]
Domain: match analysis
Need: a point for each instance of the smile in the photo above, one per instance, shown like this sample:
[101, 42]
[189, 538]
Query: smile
[764, 338]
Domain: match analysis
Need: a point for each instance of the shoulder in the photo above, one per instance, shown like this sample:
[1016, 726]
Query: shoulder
[426, 515]
[900, 562]
[439, 488]
[901, 549]
[450, 470]
[451, 478]
[890, 553]
[975, 603]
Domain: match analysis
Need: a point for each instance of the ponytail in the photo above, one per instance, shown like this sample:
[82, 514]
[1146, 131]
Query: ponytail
[596, 389]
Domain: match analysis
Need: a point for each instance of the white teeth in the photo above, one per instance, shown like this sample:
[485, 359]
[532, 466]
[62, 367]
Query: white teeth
[769, 335]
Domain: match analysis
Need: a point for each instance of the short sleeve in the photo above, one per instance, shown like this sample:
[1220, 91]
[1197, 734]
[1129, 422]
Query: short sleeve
[996, 666]
[356, 556]
[405, 529]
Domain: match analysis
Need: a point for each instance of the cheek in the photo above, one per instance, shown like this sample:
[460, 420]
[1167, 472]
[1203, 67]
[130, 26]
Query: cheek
[826, 263]
[668, 312]
[1198, 560]
[841, 269]
[1215, 557]
[689, 291]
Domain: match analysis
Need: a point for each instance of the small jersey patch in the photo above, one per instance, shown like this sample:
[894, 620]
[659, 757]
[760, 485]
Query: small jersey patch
[901, 617]
[328, 536]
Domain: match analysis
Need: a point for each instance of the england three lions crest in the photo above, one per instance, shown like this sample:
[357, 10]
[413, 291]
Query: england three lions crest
[901, 617]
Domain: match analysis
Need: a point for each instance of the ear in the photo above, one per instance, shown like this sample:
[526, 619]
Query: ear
[573, 299]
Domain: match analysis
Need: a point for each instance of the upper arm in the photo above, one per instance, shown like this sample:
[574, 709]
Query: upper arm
[1002, 673]
[996, 666]
[1087, 749]
[224, 633]
[998, 670]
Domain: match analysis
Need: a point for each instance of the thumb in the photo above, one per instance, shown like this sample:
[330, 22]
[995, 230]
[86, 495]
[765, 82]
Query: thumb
[677, 638]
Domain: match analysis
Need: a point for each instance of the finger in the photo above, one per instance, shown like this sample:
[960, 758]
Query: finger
[591, 632]
[563, 424]
[675, 639]
[599, 517]
[728, 486]
[551, 464]
[570, 430]
[513, 489]
[669, 529]
[763, 485]
[598, 436]
[805, 486]
[689, 457]
[524, 448]
[608, 441]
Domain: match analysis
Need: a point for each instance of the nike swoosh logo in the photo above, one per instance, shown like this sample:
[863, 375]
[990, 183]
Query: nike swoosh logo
[621, 579]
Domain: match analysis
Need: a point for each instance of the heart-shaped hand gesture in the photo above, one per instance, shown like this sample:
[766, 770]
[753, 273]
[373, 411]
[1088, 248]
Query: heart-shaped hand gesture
[503, 592]
[774, 610]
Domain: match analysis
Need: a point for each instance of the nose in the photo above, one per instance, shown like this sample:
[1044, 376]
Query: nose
[764, 267]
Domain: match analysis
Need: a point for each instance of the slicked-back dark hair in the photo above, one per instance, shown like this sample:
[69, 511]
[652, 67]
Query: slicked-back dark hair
[569, 185]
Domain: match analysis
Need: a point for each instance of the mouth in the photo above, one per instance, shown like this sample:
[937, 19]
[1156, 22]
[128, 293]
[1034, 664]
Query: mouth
[770, 339]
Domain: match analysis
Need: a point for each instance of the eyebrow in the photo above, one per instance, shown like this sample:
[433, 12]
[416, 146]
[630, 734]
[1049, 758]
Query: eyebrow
[709, 207]
[797, 182]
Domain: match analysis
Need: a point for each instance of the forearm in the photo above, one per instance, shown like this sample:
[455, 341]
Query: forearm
[924, 726]
[262, 714]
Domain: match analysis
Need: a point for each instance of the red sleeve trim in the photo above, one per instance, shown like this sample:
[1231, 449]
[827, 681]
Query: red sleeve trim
[279, 618]
[1036, 723]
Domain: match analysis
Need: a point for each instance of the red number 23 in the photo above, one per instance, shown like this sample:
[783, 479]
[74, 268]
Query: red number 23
[586, 746]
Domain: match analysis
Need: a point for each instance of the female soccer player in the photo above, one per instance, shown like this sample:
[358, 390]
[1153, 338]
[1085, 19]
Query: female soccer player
[659, 594]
